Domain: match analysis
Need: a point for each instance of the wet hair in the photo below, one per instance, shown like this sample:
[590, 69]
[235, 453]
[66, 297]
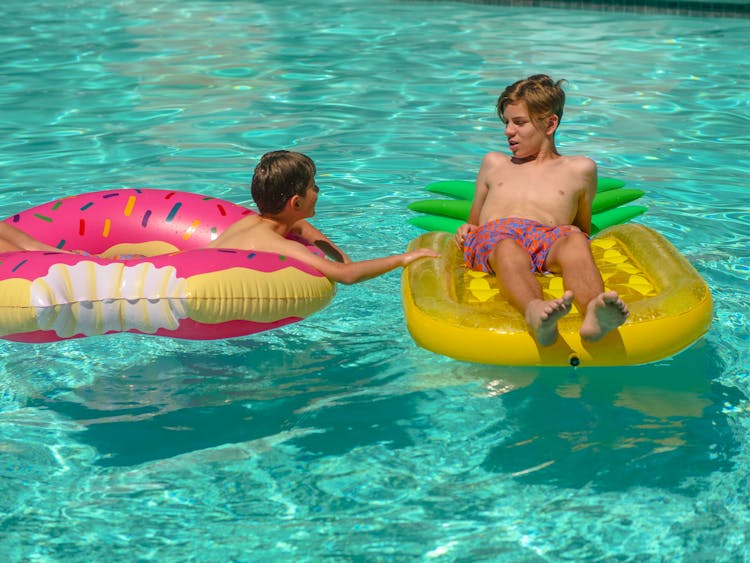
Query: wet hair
[278, 177]
[543, 97]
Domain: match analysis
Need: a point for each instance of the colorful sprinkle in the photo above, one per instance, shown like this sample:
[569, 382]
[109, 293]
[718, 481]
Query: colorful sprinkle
[106, 196]
[169, 195]
[16, 218]
[129, 206]
[21, 263]
[85, 207]
[191, 229]
[251, 255]
[173, 212]
[61, 244]
[144, 221]
[222, 211]
[43, 217]
[107, 225]
[82, 227]
[214, 233]
[58, 204]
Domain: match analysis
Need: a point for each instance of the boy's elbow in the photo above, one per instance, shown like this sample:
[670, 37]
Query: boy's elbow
[348, 278]
[343, 274]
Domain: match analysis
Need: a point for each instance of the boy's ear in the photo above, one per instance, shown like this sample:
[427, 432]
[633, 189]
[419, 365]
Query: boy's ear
[552, 122]
[293, 202]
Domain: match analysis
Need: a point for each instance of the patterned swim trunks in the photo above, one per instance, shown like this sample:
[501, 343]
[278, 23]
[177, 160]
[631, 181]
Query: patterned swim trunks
[534, 237]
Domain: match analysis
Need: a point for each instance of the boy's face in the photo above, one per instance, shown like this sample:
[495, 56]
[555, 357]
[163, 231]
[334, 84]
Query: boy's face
[525, 136]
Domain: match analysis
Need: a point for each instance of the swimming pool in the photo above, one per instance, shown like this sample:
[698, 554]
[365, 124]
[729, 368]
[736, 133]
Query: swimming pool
[338, 438]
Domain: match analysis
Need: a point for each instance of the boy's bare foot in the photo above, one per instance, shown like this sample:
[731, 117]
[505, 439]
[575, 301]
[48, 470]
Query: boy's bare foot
[542, 317]
[603, 314]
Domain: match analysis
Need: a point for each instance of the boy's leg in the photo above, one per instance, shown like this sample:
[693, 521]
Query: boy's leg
[6, 246]
[571, 256]
[13, 239]
[603, 311]
[512, 265]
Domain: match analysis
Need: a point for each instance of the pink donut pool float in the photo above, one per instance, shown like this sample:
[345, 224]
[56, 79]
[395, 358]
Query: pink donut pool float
[174, 288]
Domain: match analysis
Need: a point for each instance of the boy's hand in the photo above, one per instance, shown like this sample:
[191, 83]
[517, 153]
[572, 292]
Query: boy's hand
[461, 233]
[414, 255]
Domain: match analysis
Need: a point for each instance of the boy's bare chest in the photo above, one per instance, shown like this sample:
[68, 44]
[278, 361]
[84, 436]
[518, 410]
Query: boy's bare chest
[534, 187]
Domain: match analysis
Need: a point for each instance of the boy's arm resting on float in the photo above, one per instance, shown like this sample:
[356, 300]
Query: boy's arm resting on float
[583, 217]
[353, 272]
[481, 189]
[310, 233]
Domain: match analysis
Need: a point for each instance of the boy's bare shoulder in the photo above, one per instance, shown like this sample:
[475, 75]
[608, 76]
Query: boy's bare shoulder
[580, 162]
[238, 233]
[493, 163]
[495, 158]
[578, 168]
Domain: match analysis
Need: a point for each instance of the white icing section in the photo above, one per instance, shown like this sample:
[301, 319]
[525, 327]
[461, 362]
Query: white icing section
[91, 299]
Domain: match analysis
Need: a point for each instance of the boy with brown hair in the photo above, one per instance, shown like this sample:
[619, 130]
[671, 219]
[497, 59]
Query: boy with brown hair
[284, 189]
[532, 213]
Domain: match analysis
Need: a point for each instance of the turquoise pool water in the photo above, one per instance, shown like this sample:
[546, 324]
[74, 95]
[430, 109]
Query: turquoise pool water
[337, 438]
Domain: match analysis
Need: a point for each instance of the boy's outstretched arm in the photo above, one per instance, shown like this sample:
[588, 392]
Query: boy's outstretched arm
[355, 272]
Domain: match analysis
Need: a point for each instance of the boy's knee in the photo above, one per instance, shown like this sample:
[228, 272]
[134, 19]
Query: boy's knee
[576, 243]
[578, 238]
[571, 250]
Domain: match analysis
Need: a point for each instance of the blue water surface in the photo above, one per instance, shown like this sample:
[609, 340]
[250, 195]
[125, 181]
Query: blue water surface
[337, 438]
